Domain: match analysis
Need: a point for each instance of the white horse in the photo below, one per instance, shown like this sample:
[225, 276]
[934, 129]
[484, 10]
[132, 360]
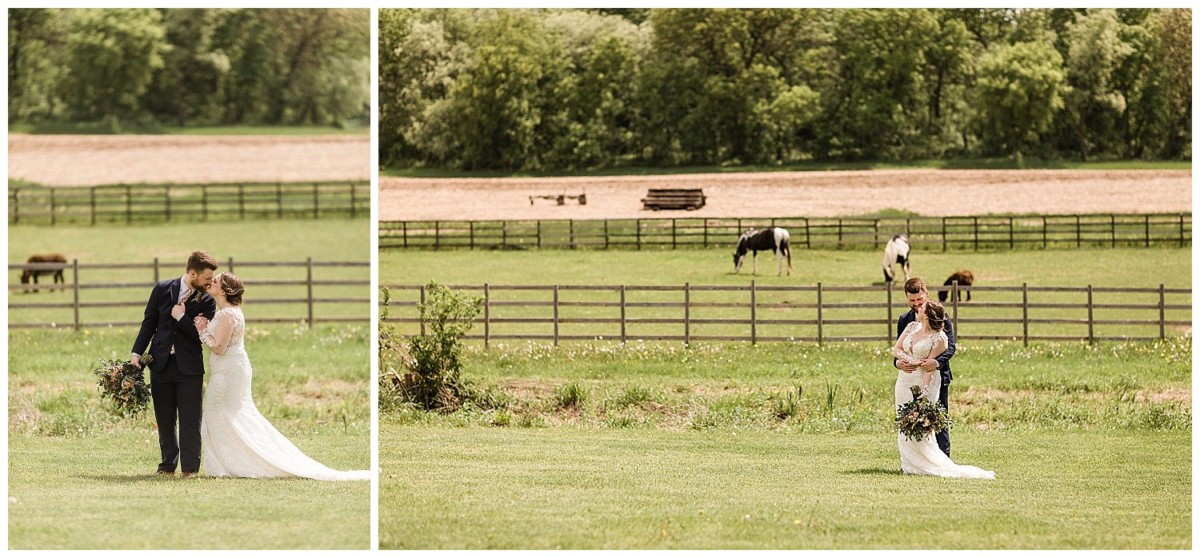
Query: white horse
[896, 252]
[774, 239]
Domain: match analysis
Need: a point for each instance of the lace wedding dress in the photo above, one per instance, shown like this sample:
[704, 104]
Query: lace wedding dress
[237, 440]
[924, 457]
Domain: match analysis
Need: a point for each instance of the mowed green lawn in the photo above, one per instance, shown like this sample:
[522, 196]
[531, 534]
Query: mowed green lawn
[790, 445]
[752, 489]
[81, 477]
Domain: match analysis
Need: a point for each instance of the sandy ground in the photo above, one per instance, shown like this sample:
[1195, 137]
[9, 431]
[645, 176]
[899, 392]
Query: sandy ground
[784, 194]
[63, 160]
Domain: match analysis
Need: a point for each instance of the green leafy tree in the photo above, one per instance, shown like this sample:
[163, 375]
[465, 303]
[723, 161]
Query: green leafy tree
[1095, 51]
[1020, 89]
[111, 57]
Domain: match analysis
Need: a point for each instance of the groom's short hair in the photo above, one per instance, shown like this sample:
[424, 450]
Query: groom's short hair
[200, 261]
[914, 285]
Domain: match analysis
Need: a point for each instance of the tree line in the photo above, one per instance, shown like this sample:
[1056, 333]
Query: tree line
[573, 89]
[189, 66]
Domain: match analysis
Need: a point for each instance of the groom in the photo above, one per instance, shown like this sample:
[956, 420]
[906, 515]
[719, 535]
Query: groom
[917, 295]
[177, 369]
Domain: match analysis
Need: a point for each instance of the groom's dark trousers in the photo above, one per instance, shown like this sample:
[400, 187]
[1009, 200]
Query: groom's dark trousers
[943, 436]
[176, 372]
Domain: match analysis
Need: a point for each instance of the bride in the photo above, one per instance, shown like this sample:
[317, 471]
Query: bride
[237, 440]
[923, 340]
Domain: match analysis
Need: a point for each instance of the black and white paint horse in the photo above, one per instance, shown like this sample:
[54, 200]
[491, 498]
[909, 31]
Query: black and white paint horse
[896, 252]
[774, 239]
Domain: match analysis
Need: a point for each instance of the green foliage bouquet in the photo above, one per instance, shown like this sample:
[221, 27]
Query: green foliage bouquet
[920, 417]
[123, 382]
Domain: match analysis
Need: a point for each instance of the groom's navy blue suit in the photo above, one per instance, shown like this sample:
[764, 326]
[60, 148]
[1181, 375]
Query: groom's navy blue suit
[176, 376]
[943, 360]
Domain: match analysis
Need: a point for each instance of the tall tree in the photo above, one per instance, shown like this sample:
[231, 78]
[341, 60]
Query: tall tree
[1095, 51]
[111, 57]
[1020, 87]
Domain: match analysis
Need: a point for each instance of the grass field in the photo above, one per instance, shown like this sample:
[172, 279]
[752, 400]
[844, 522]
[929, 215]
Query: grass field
[958, 164]
[75, 468]
[80, 477]
[751, 489]
[344, 240]
[791, 445]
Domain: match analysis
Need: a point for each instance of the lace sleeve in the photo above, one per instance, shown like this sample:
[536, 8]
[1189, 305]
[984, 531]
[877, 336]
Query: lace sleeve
[206, 335]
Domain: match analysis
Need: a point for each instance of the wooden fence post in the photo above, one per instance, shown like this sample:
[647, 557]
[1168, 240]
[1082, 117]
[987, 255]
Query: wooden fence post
[673, 233]
[945, 241]
[539, 233]
[278, 200]
[753, 317]
[16, 205]
[1147, 229]
[975, 229]
[75, 278]
[555, 315]
[353, 209]
[1045, 233]
[204, 202]
[1112, 229]
[1011, 242]
[687, 314]
[310, 291]
[52, 207]
[128, 205]
[167, 201]
[156, 279]
[888, 288]
[954, 306]
[1025, 312]
[487, 315]
[820, 315]
[638, 230]
[1091, 318]
[1162, 312]
[316, 201]
[1078, 233]
[623, 333]
[241, 201]
[1181, 230]
[419, 313]
[231, 264]
[471, 224]
[92, 191]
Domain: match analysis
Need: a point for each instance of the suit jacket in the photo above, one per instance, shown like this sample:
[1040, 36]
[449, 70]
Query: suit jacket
[942, 359]
[160, 331]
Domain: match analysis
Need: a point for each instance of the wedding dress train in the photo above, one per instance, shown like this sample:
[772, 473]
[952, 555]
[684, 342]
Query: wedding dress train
[924, 457]
[237, 440]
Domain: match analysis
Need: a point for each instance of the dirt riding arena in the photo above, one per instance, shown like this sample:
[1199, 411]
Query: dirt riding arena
[65, 160]
[786, 194]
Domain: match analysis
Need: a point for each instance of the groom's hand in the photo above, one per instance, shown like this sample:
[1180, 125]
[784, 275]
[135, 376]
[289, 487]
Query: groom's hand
[136, 359]
[907, 366]
[177, 311]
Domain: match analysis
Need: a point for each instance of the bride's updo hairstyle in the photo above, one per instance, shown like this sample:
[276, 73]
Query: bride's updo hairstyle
[936, 313]
[233, 288]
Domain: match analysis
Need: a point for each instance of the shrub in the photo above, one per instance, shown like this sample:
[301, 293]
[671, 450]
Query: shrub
[432, 368]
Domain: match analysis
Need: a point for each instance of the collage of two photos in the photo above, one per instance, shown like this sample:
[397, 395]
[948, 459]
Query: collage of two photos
[646, 278]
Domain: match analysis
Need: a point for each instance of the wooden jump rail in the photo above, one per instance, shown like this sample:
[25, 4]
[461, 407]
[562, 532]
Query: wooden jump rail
[759, 313]
[136, 305]
[674, 198]
[561, 199]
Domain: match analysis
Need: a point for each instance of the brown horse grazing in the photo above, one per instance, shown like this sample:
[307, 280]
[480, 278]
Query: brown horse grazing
[57, 271]
[964, 277]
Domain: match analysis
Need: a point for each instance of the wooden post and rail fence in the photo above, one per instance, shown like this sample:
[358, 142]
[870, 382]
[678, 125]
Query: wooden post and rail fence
[818, 313]
[119, 310]
[931, 233]
[156, 203]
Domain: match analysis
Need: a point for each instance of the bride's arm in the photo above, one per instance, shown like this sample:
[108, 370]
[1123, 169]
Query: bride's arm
[939, 347]
[899, 352]
[218, 338]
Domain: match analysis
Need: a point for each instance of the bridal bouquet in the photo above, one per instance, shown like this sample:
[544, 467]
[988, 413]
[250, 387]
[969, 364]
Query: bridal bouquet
[124, 383]
[921, 417]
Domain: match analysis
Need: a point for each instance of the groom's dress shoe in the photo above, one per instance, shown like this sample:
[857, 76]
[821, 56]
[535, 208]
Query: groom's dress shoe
[162, 473]
[189, 475]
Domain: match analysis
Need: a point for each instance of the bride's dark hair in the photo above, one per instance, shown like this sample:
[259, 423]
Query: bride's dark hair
[936, 313]
[233, 288]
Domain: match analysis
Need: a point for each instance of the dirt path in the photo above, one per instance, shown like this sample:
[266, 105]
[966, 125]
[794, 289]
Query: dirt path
[63, 160]
[810, 194]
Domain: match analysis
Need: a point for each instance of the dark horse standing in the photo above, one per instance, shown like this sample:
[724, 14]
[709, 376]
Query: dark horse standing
[34, 273]
[774, 239]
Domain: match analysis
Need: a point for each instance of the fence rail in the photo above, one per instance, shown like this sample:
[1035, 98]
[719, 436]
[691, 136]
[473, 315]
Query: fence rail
[819, 313]
[302, 296]
[187, 202]
[948, 233]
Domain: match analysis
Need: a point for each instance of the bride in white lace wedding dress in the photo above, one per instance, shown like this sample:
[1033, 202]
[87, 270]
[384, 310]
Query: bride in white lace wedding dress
[924, 339]
[237, 440]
